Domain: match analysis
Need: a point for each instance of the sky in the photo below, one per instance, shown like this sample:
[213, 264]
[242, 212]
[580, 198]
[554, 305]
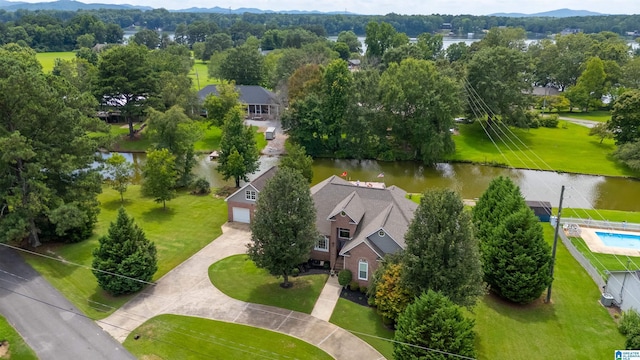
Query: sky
[381, 7]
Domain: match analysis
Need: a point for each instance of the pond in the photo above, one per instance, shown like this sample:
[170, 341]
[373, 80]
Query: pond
[582, 191]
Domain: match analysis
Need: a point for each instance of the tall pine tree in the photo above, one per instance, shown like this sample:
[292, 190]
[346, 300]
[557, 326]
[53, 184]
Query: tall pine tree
[124, 251]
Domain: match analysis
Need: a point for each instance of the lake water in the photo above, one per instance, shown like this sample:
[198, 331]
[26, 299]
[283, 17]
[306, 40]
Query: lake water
[582, 191]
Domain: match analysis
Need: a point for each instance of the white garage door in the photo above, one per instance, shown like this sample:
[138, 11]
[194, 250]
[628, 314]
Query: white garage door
[241, 215]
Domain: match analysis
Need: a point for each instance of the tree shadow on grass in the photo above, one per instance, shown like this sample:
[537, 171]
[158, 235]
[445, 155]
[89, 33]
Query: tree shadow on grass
[298, 297]
[158, 215]
[114, 205]
[537, 311]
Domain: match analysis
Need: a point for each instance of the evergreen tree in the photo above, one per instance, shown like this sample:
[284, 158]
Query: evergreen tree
[284, 224]
[435, 322]
[124, 251]
[237, 139]
[442, 252]
[501, 198]
[298, 159]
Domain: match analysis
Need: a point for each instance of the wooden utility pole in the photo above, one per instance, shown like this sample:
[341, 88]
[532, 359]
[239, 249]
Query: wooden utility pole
[555, 244]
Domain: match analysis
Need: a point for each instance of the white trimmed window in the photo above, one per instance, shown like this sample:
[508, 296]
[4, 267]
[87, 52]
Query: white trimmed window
[250, 194]
[344, 233]
[363, 269]
[322, 244]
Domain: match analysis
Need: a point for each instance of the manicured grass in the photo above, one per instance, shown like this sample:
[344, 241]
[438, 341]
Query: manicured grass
[610, 215]
[574, 326]
[209, 141]
[569, 149]
[238, 277]
[48, 59]
[362, 319]
[598, 115]
[189, 223]
[18, 349]
[604, 262]
[182, 337]
[202, 79]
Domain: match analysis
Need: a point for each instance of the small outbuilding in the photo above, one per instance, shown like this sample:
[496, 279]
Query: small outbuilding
[270, 134]
[542, 209]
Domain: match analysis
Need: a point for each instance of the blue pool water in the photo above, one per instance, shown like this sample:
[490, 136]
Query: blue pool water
[619, 240]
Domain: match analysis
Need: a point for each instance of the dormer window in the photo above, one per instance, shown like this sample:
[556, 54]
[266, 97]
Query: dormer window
[250, 195]
[381, 233]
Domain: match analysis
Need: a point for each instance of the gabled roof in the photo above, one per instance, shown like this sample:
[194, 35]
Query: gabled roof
[249, 94]
[257, 183]
[383, 208]
[352, 206]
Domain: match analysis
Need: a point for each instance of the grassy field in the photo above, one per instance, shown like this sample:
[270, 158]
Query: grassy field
[603, 262]
[574, 326]
[175, 241]
[610, 215]
[209, 141]
[18, 349]
[239, 278]
[48, 59]
[362, 319]
[182, 337]
[202, 79]
[560, 149]
[599, 115]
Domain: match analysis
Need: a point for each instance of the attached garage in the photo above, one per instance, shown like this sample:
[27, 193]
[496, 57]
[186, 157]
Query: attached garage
[241, 215]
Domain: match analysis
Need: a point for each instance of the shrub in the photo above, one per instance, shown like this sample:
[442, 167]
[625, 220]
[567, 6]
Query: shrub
[363, 289]
[630, 323]
[344, 277]
[295, 272]
[201, 186]
[354, 286]
[550, 121]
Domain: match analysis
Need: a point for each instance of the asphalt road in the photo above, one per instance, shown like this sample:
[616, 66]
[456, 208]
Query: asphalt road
[49, 323]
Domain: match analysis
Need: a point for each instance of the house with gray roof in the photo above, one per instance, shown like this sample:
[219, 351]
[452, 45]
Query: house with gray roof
[359, 223]
[260, 103]
[242, 203]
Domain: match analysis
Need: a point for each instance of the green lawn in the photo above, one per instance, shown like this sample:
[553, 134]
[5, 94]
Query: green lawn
[574, 326]
[603, 262]
[18, 349]
[610, 215]
[568, 149]
[238, 277]
[182, 337]
[599, 115]
[210, 140]
[363, 319]
[202, 79]
[189, 223]
[48, 59]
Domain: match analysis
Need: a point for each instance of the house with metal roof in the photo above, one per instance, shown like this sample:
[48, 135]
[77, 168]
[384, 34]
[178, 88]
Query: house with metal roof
[359, 223]
[260, 103]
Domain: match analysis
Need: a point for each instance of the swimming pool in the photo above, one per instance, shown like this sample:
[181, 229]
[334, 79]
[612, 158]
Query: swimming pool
[628, 241]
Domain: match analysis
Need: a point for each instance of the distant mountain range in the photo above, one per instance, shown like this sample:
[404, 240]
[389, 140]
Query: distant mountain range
[560, 13]
[72, 5]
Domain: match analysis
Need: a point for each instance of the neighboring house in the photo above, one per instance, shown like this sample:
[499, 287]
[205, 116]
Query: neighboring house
[545, 91]
[260, 103]
[624, 286]
[242, 203]
[354, 64]
[359, 223]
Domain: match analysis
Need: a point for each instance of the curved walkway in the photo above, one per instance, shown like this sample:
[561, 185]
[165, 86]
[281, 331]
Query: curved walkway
[186, 290]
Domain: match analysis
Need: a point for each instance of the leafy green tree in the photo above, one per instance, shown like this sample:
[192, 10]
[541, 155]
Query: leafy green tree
[198, 51]
[391, 295]
[126, 79]
[380, 37]
[343, 50]
[214, 43]
[592, 79]
[498, 76]
[120, 172]
[601, 130]
[506, 37]
[307, 79]
[298, 159]
[47, 187]
[442, 253]
[351, 39]
[336, 88]
[244, 65]
[86, 41]
[515, 257]
[159, 174]
[419, 104]
[433, 322]
[125, 260]
[218, 106]
[625, 118]
[147, 37]
[283, 229]
[79, 72]
[573, 52]
[631, 73]
[174, 131]
[629, 153]
[238, 152]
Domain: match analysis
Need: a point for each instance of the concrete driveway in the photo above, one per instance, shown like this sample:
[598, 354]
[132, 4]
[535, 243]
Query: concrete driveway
[186, 290]
[47, 321]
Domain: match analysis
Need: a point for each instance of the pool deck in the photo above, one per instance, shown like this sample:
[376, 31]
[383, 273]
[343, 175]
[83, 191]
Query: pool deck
[596, 245]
